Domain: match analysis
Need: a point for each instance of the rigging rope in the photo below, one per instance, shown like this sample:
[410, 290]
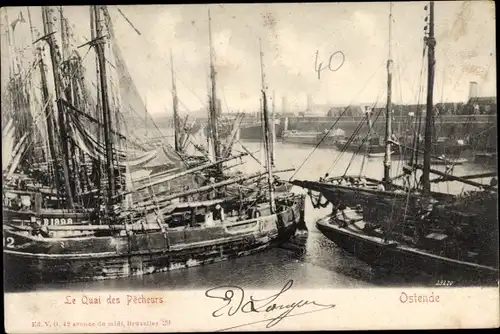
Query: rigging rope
[336, 121]
[362, 142]
[418, 115]
[51, 96]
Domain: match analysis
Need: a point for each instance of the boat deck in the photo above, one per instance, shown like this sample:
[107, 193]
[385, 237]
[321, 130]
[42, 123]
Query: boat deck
[348, 229]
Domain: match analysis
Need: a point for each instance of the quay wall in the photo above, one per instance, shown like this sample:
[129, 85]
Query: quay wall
[482, 127]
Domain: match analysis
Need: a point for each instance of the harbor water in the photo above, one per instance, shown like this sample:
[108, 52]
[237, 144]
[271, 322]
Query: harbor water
[311, 261]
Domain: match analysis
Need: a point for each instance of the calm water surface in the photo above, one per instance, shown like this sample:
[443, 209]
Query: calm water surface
[312, 261]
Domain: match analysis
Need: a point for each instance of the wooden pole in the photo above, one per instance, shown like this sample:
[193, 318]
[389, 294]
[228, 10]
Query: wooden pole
[449, 177]
[70, 93]
[49, 111]
[63, 132]
[186, 172]
[175, 104]
[213, 99]
[388, 113]
[429, 121]
[99, 47]
[267, 134]
[170, 197]
[273, 130]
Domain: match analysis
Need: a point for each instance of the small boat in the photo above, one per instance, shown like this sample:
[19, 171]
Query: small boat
[371, 246]
[486, 158]
[449, 162]
[377, 155]
[325, 138]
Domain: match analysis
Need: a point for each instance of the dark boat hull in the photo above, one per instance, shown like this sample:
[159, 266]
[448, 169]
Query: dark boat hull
[28, 260]
[450, 150]
[394, 257]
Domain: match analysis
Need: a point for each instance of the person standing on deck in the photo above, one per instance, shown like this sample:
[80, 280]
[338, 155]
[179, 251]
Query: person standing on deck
[494, 182]
[211, 194]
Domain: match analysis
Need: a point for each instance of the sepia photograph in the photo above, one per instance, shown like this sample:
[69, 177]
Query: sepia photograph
[249, 163]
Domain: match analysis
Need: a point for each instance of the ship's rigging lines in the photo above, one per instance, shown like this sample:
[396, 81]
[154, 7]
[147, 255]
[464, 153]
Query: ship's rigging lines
[336, 121]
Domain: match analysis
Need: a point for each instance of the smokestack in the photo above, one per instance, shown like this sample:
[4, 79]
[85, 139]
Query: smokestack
[309, 102]
[218, 108]
[284, 106]
[472, 90]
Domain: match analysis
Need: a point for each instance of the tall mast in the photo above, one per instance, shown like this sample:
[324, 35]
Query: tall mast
[9, 43]
[273, 130]
[55, 58]
[175, 103]
[97, 164]
[388, 113]
[49, 112]
[64, 35]
[213, 100]
[267, 133]
[99, 47]
[70, 91]
[65, 57]
[429, 115]
[14, 62]
[146, 114]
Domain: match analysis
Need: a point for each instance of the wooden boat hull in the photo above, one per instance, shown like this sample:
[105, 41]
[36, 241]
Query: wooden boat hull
[393, 256]
[47, 217]
[30, 259]
[361, 195]
[316, 139]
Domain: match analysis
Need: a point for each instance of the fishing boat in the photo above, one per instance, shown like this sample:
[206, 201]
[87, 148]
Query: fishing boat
[410, 228]
[322, 139]
[374, 145]
[486, 158]
[169, 229]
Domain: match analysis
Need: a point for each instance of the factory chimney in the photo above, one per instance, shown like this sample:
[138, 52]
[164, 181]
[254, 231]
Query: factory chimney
[309, 102]
[284, 106]
[472, 90]
[218, 108]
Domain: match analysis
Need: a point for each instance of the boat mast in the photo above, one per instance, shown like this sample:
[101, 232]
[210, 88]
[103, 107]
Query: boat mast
[429, 115]
[97, 165]
[273, 130]
[175, 103]
[9, 44]
[55, 58]
[49, 112]
[267, 133]
[213, 100]
[71, 94]
[388, 113]
[99, 47]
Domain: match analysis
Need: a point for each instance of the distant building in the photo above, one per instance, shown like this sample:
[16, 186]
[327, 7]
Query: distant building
[449, 108]
[352, 111]
[485, 105]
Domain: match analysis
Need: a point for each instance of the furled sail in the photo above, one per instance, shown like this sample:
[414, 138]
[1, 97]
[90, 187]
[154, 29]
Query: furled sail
[19, 151]
[7, 144]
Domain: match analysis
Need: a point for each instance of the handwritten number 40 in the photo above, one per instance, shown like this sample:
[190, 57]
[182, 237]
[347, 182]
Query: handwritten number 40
[336, 55]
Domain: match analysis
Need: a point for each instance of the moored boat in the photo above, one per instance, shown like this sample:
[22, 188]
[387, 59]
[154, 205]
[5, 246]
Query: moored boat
[372, 247]
[133, 249]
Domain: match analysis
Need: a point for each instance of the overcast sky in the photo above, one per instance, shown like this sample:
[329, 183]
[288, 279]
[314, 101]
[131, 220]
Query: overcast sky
[291, 35]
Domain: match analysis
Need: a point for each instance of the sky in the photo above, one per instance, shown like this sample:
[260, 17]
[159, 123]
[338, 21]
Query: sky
[291, 37]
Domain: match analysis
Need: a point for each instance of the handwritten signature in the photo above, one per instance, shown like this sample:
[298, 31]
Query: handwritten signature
[235, 301]
[319, 68]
